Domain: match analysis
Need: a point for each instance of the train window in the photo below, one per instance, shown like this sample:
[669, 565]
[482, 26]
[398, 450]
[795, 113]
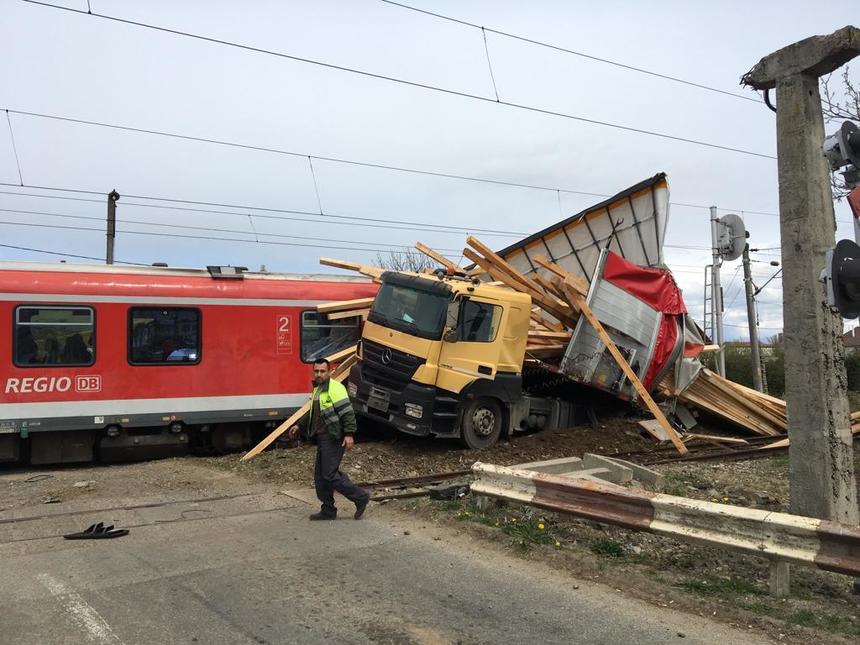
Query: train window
[163, 336]
[322, 337]
[54, 336]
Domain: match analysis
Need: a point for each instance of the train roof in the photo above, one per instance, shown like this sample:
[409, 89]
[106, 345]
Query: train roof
[180, 272]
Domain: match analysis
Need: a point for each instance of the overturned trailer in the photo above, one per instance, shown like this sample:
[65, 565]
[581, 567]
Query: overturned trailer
[456, 355]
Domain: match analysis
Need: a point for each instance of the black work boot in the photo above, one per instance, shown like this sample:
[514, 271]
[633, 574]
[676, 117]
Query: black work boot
[322, 516]
[360, 506]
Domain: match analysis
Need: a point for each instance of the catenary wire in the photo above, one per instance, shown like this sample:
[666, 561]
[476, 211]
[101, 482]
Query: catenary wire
[425, 227]
[207, 228]
[204, 237]
[351, 162]
[566, 50]
[406, 82]
[65, 255]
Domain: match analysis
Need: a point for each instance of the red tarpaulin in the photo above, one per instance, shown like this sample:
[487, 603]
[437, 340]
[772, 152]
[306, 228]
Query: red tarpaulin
[657, 288]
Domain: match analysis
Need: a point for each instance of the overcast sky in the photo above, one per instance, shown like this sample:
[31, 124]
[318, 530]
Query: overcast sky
[80, 66]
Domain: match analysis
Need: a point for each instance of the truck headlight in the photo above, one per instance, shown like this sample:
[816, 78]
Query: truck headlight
[413, 410]
[352, 389]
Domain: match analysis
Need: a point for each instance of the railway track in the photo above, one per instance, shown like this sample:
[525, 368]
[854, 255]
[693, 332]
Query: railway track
[708, 451]
[409, 487]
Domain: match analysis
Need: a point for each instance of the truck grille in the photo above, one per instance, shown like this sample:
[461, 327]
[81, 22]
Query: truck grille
[396, 373]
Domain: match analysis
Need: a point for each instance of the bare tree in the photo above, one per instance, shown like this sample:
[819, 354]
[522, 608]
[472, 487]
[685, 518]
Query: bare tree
[839, 104]
[406, 260]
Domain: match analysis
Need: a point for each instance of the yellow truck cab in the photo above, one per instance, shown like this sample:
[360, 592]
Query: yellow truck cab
[443, 355]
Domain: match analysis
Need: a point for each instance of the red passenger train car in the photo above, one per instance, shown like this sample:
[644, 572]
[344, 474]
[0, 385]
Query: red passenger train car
[124, 362]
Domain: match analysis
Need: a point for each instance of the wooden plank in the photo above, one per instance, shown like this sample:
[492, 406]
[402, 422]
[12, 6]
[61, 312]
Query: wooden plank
[579, 301]
[345, 305]
[654, 430]
[341, 264]
[501, 263]
[555, 307]
[340, 315]
[717, 438]
[544, 351]
[577, 282]
[548, 286]
[339, 374]
[554, 335]
[437, 257]
[546, 322]
[373, 272]
[343, 354]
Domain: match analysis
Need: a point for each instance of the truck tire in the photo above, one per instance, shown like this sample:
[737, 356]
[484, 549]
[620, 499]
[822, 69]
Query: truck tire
[481, 424]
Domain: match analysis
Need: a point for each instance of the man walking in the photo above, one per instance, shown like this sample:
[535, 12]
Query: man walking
[332, 421]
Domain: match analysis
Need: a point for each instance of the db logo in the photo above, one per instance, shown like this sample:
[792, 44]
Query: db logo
[88, 383]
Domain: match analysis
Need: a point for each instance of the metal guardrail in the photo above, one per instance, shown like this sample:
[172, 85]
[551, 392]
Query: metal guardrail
[779, 536]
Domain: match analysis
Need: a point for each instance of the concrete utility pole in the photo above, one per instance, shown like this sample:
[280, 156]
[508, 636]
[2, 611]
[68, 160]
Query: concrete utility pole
[821, 463]
[717, 292]
[752, 319]
[110, 235]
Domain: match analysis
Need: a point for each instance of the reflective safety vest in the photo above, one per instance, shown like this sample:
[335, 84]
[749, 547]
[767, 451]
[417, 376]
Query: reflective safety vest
[335, 409]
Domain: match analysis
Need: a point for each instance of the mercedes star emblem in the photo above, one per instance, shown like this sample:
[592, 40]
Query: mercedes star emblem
[386, 356]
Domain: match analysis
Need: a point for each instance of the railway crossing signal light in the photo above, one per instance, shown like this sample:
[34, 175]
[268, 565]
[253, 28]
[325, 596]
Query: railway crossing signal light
[841, 149]
[841, 277]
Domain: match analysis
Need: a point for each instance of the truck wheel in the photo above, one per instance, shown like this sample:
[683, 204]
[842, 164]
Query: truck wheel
[481, 423]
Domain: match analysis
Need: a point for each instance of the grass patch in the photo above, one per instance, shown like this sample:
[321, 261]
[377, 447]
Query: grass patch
[760, 608]
[675, 485]
[608, 548]
[527, 531]
[803, 617]
[709, 585]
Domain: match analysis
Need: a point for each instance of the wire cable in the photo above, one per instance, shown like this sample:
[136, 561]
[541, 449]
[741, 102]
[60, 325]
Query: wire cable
[490, 65]
[351, 162]
[210, 228]
[204, 237]
[14, 148]
[573, 52]
[65, 255]
[405, 82]
[423, 226]
[313, 216]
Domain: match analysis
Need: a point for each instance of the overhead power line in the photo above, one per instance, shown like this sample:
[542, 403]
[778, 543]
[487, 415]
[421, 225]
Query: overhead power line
[254, 210]
[565, 50]
[204, 237]
[409, 225]
[62, 254]
[405, 82]
[340, 160]
[256, 234]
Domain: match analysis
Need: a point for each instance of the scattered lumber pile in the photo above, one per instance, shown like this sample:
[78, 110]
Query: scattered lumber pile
[743, 406]
[783, 443]
[561, 294]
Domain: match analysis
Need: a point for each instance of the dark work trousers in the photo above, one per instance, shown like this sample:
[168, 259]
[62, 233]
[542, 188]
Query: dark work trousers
[328, 478]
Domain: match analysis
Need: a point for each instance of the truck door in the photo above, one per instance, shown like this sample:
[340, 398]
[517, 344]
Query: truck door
[472, 344]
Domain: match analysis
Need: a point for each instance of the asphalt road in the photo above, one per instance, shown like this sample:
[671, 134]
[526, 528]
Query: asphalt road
[252, 569]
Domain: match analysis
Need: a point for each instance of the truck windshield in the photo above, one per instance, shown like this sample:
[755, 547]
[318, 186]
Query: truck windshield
[414, 311]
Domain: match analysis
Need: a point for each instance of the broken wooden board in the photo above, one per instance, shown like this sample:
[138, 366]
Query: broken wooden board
[345, 305]
[653, 429]
[355, 313]
[577, 282]
[715, 438]
[339, 375]
[437, 257]
[365, 269]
